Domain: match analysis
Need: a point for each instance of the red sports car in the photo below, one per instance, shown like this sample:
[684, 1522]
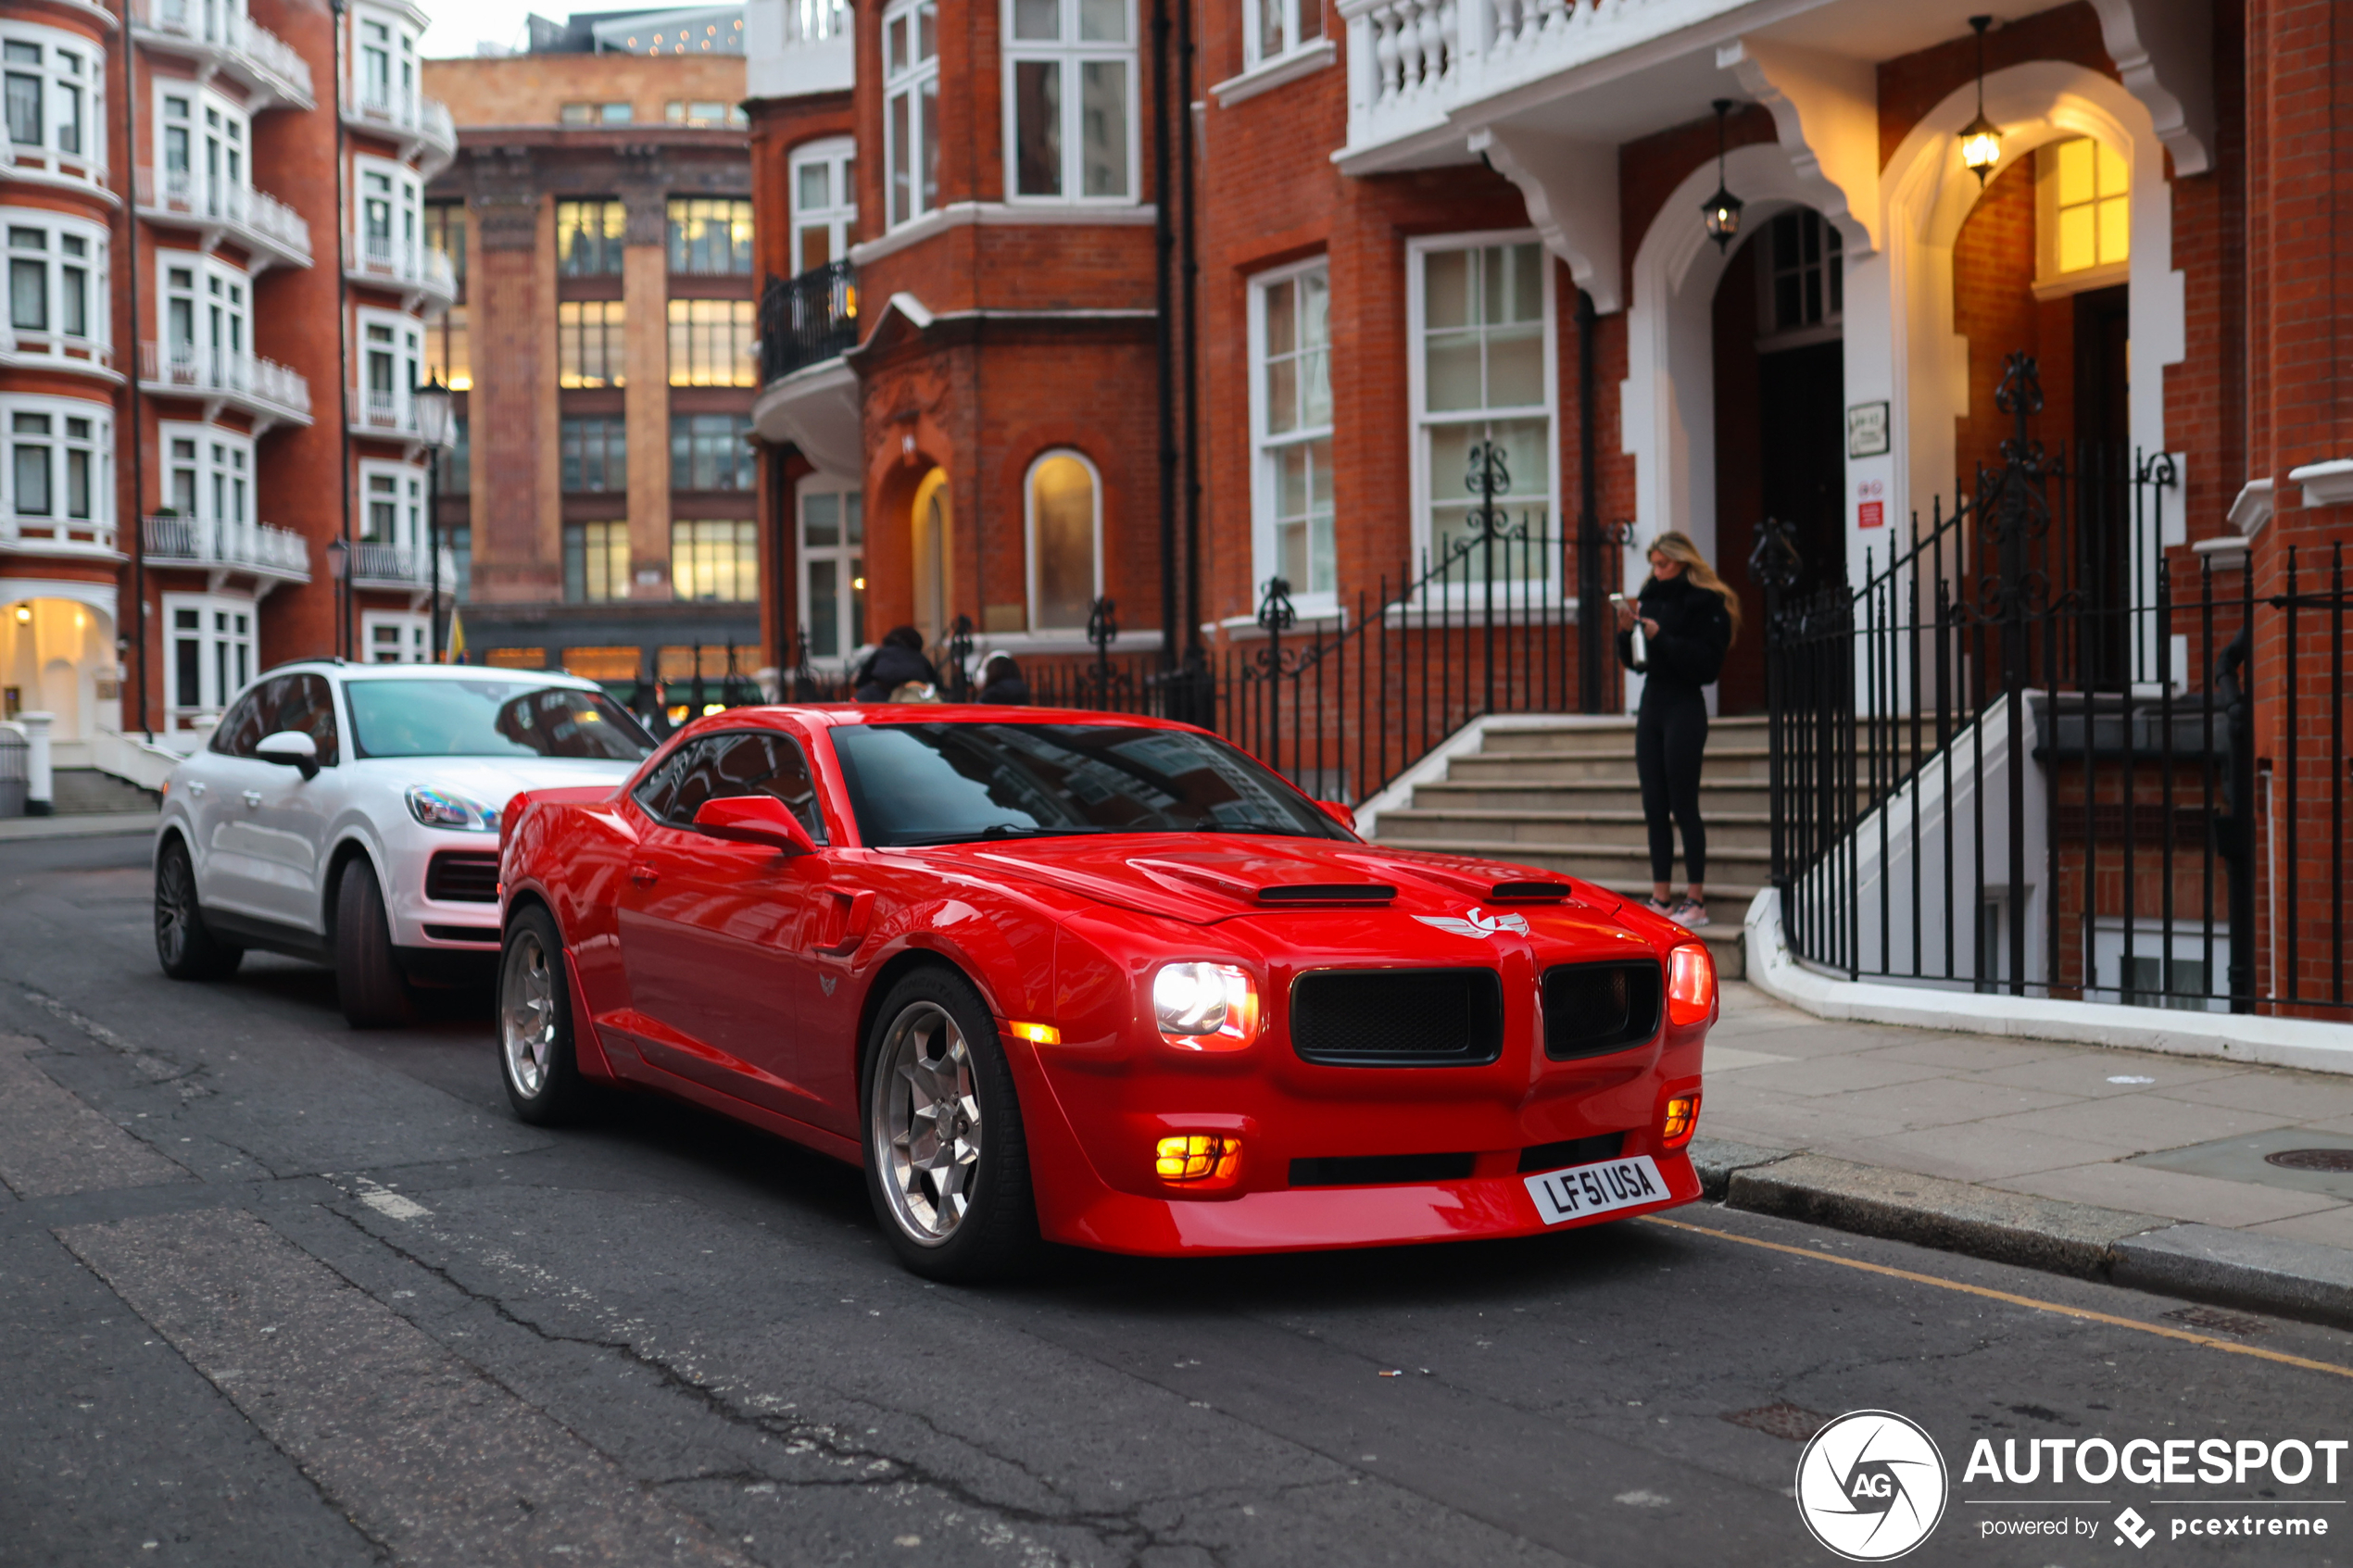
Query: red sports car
[1102, 979]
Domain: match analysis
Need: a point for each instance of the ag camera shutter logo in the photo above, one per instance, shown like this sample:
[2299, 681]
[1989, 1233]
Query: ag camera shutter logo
[1871, 1486]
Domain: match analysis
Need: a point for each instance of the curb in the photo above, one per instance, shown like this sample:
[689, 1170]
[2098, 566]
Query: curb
[92, 824]
[2210, 1264]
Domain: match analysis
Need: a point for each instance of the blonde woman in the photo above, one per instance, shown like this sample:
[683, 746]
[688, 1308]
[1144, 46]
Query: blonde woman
[1689, 618]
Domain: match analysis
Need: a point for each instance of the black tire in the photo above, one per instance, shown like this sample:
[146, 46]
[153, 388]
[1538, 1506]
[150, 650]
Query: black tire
[373, 991]
[535, 1059]
[185, 943]
[996, 1236]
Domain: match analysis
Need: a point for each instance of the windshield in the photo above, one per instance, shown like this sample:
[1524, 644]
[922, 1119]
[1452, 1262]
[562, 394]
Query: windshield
[490, 718]
[950, 783]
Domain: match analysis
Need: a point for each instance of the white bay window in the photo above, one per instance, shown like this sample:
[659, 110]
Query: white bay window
[1291, 427]
[1070, 94]
[910, 110]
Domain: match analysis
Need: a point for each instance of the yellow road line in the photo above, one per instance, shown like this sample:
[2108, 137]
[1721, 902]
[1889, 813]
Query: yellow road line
[2084, 1313]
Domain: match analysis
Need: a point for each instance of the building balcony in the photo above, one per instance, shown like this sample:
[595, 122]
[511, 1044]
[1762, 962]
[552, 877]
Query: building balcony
[270, 232]
[38, 165]
[257, 549]
[270, 393]
[399, 568]
[24, 350]
[809, 394]
[422, 276]
[385, 414]
[419, 125]
[84, 538]
[221, 37]
[796, 48]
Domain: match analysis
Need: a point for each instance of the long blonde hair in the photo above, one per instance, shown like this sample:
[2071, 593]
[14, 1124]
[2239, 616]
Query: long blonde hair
[1677, 546]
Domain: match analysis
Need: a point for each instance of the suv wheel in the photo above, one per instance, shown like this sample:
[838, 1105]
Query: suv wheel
[185, 943]
[368, 978]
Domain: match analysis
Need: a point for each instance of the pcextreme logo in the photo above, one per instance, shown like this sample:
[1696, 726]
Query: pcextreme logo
[1871, 1486]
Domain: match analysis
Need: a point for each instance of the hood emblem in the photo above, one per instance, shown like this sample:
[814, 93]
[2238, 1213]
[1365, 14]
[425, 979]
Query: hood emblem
[1477, 924]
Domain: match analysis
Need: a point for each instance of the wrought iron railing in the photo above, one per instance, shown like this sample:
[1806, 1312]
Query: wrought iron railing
[807, 320]
[2022, 756]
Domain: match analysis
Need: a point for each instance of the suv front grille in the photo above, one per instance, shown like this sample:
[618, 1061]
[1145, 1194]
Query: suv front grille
[1593, 1009]
[463, 876]
[1397, 1017]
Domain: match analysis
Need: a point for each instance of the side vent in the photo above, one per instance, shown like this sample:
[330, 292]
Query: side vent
[1593, 1009]
[1531, 893]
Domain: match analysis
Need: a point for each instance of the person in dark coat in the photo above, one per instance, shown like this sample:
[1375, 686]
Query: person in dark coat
[1687, 618]
[897, 661]
[1000, 682]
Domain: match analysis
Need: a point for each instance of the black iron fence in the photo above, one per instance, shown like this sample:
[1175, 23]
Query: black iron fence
[2025, 755]
[807, 320]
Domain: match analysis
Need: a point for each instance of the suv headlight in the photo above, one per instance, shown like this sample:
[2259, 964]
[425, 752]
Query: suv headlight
[445, 809]
[1205, 1007]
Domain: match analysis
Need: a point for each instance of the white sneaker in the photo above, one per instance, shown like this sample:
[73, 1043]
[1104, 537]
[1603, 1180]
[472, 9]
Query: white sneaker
[1689, 913]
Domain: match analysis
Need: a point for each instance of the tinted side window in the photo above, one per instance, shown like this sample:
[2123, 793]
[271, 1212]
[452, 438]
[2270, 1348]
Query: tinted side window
[242, 728]
[768, 764]
[660, 790]
[307, 706]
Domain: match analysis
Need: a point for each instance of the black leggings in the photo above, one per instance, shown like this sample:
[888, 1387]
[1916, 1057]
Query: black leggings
[1670, 732]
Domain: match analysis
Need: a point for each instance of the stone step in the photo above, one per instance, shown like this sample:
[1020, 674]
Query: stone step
[1725, 830]
[1716, 798]
[1591, 734]
[86, 791]
[1622, 866]
[1718, 762]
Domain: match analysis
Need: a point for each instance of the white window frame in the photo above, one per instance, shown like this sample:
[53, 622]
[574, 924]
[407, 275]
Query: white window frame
[408, 482]
[2050, 282]
[225, 656]
[1266, 549]
[399, 43]
[219, 185]
[406, 348]
[1420, 421]
[1029, 530]
[1253, 51]
[99, 443]
[849, 558]
[222, 510]
[908, 82]
[1068, 51]
[214, 286]
[839, 156]
[48, 158]
[404, 201]
[411, 638]
[54, 344]
[2149, 941]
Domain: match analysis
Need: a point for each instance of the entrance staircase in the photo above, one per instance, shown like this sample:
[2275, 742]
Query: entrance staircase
[86, 791]
[1562, 796]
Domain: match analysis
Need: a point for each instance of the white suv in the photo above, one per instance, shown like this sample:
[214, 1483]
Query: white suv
[349, 814]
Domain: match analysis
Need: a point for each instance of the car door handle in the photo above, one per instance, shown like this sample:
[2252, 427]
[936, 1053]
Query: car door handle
[644, 876]
[197, 788]
[253, 799]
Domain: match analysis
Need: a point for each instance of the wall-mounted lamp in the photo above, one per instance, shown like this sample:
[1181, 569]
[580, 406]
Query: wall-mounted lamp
[1722, 210]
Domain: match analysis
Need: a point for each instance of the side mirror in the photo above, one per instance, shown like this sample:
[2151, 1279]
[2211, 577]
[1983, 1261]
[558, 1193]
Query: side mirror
[755, 818]
[1339, 813]
[290, 748]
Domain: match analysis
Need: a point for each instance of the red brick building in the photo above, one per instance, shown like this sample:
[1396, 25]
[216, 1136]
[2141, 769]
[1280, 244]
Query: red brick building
[1424, 224]
[219, 275]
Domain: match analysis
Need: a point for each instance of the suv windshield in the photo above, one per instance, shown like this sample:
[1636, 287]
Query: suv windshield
[490, 718]
[951, 782]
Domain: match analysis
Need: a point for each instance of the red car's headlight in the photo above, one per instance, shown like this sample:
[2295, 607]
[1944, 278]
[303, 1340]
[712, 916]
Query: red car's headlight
[1205, 1007]
[1691, 984]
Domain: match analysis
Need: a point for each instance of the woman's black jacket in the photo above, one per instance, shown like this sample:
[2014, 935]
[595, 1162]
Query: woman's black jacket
[1693, 632]
[890, 666]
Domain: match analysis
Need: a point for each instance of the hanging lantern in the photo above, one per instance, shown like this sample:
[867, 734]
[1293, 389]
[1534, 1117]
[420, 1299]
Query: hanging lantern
[1981, 138]
[1721, 211]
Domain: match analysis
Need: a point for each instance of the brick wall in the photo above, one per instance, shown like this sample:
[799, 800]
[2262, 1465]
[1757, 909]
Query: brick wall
[533, 89]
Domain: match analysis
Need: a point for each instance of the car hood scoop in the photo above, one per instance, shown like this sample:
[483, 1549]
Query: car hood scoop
[1199, 883]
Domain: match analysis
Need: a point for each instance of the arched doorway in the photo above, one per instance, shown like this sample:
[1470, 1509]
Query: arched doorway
[931, 536]
[1780, 382]
[58, 655]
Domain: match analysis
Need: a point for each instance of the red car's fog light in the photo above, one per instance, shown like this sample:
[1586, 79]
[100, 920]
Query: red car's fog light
[1211, 1159]
[1691, 984]
[1205, 1007]
[1682, 1119]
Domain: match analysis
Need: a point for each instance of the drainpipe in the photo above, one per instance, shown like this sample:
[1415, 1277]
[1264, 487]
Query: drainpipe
[344, 594]
[1195, 655]
[137, 529]
[1593, 646]
[1163, 251]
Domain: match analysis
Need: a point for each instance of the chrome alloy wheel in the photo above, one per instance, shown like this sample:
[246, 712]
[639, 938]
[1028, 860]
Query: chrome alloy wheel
[527, 1013]
[927, 1122]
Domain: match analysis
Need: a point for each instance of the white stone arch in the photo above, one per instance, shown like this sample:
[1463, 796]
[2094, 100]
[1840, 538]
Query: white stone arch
[1928, 196]
[1667, 401]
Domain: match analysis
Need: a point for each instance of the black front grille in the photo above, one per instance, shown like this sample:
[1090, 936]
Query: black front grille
[1593, 1009]
[1570, 1152]
[1397, 1017]
[463, 876]
[1379, 1170]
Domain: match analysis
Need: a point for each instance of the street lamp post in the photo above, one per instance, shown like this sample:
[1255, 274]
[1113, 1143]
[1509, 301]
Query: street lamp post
[431, 402]
[339, 567]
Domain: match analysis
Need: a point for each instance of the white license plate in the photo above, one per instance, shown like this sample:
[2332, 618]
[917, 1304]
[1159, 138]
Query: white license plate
[1582, 1191]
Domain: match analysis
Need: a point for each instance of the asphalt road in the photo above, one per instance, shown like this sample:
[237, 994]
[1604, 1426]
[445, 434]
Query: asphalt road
[276, 1293]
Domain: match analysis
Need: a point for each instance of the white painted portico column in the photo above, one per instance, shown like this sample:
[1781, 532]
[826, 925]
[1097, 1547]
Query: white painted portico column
[39, 793]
